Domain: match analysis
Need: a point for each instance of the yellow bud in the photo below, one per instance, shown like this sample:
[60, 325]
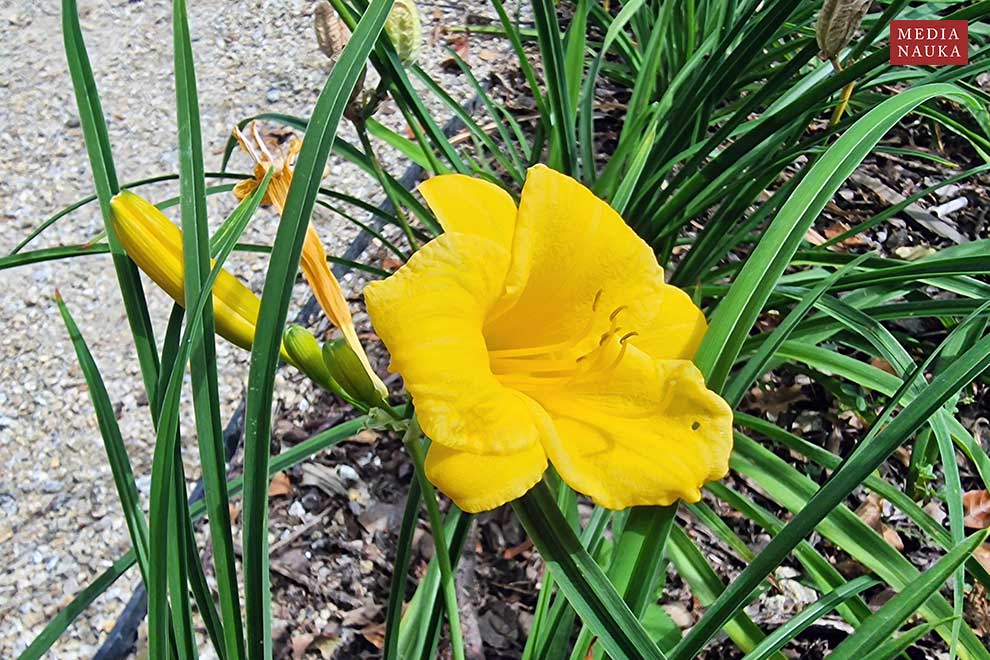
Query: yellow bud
[350, 373]
[405, 30]
[837, 23]
[154, 243]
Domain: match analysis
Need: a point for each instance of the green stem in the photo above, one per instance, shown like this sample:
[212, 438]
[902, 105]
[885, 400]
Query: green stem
[415, 448]
[362, 132]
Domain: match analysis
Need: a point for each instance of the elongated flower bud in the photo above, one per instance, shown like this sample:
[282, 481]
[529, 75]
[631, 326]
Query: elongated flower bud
[348, 370]
[405, 29]
[154, 243]
[837, 23]
[305, 351]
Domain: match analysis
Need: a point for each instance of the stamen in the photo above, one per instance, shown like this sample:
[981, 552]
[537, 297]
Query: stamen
[256, 132]
[246, 146]
[556, 364]
[598, 297]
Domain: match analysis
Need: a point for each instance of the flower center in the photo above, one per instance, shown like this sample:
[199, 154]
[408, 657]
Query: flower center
[567, 361]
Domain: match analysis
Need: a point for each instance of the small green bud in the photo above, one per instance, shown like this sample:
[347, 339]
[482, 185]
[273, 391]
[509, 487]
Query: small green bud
[405, 30]
[304, 350]
[348, 372]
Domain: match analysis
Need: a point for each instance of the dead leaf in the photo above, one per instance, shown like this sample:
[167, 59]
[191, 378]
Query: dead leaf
[871, 512]
[391, 263]
[280, 485]
[914, 211]
[324, 478]
[460, 46]
[361, 616]
[839, 228]
[327, 646]
[883, 365]
[516, 550]
[976, 507]
[778, 400]
[366, 437]
[300, 644]
[982, 555]
[813, 237]
[375, 634]
[977, 609]
[914, 252]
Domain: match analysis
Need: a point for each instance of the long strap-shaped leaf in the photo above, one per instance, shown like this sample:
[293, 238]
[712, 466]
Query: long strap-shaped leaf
[287, 459]
[870, 454]
[113, 442]
[163, 462]
[203, 363]
[58, 623]
[105, 179]
[898, 609]
[738, 311]
[581, 579]
[275, 297]
[563, 147]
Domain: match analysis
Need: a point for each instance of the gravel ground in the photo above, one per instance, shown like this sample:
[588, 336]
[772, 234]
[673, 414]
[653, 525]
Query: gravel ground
[61, 523]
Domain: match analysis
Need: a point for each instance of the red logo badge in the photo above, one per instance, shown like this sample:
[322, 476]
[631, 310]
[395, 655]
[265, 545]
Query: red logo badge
[929, 42]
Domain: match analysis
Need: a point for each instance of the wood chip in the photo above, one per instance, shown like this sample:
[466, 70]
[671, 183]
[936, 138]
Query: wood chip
[976, 507]
[889, 196]
[280, 485]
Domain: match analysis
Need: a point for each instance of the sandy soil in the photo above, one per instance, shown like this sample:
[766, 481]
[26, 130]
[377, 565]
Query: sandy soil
[60, 524]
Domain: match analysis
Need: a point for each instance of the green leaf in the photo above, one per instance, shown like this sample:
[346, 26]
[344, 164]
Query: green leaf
[58, 623]
[872, 451]
[163, 462]
[563, 151]
[736, 314]
[414, 445]
[203, 356]
[581, 580]
[878, 628]
[113, 442]
[287, 459]
[97, 139]
[400, 572]
[806, 617]
[282, 267]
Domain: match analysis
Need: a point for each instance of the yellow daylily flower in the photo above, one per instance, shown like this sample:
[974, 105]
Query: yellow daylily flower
[154, 243]
[315, 268]
[547, 332]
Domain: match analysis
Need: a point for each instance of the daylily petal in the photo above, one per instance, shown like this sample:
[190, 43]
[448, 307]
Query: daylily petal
[430, 314]
[669, 329]
[479, 482]
[467, 205]
[328, 293]
[569, 246]
[644, 433]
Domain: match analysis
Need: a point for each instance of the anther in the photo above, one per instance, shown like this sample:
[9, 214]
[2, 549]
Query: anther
[256, 132]
[611, 317]
[598, 297]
